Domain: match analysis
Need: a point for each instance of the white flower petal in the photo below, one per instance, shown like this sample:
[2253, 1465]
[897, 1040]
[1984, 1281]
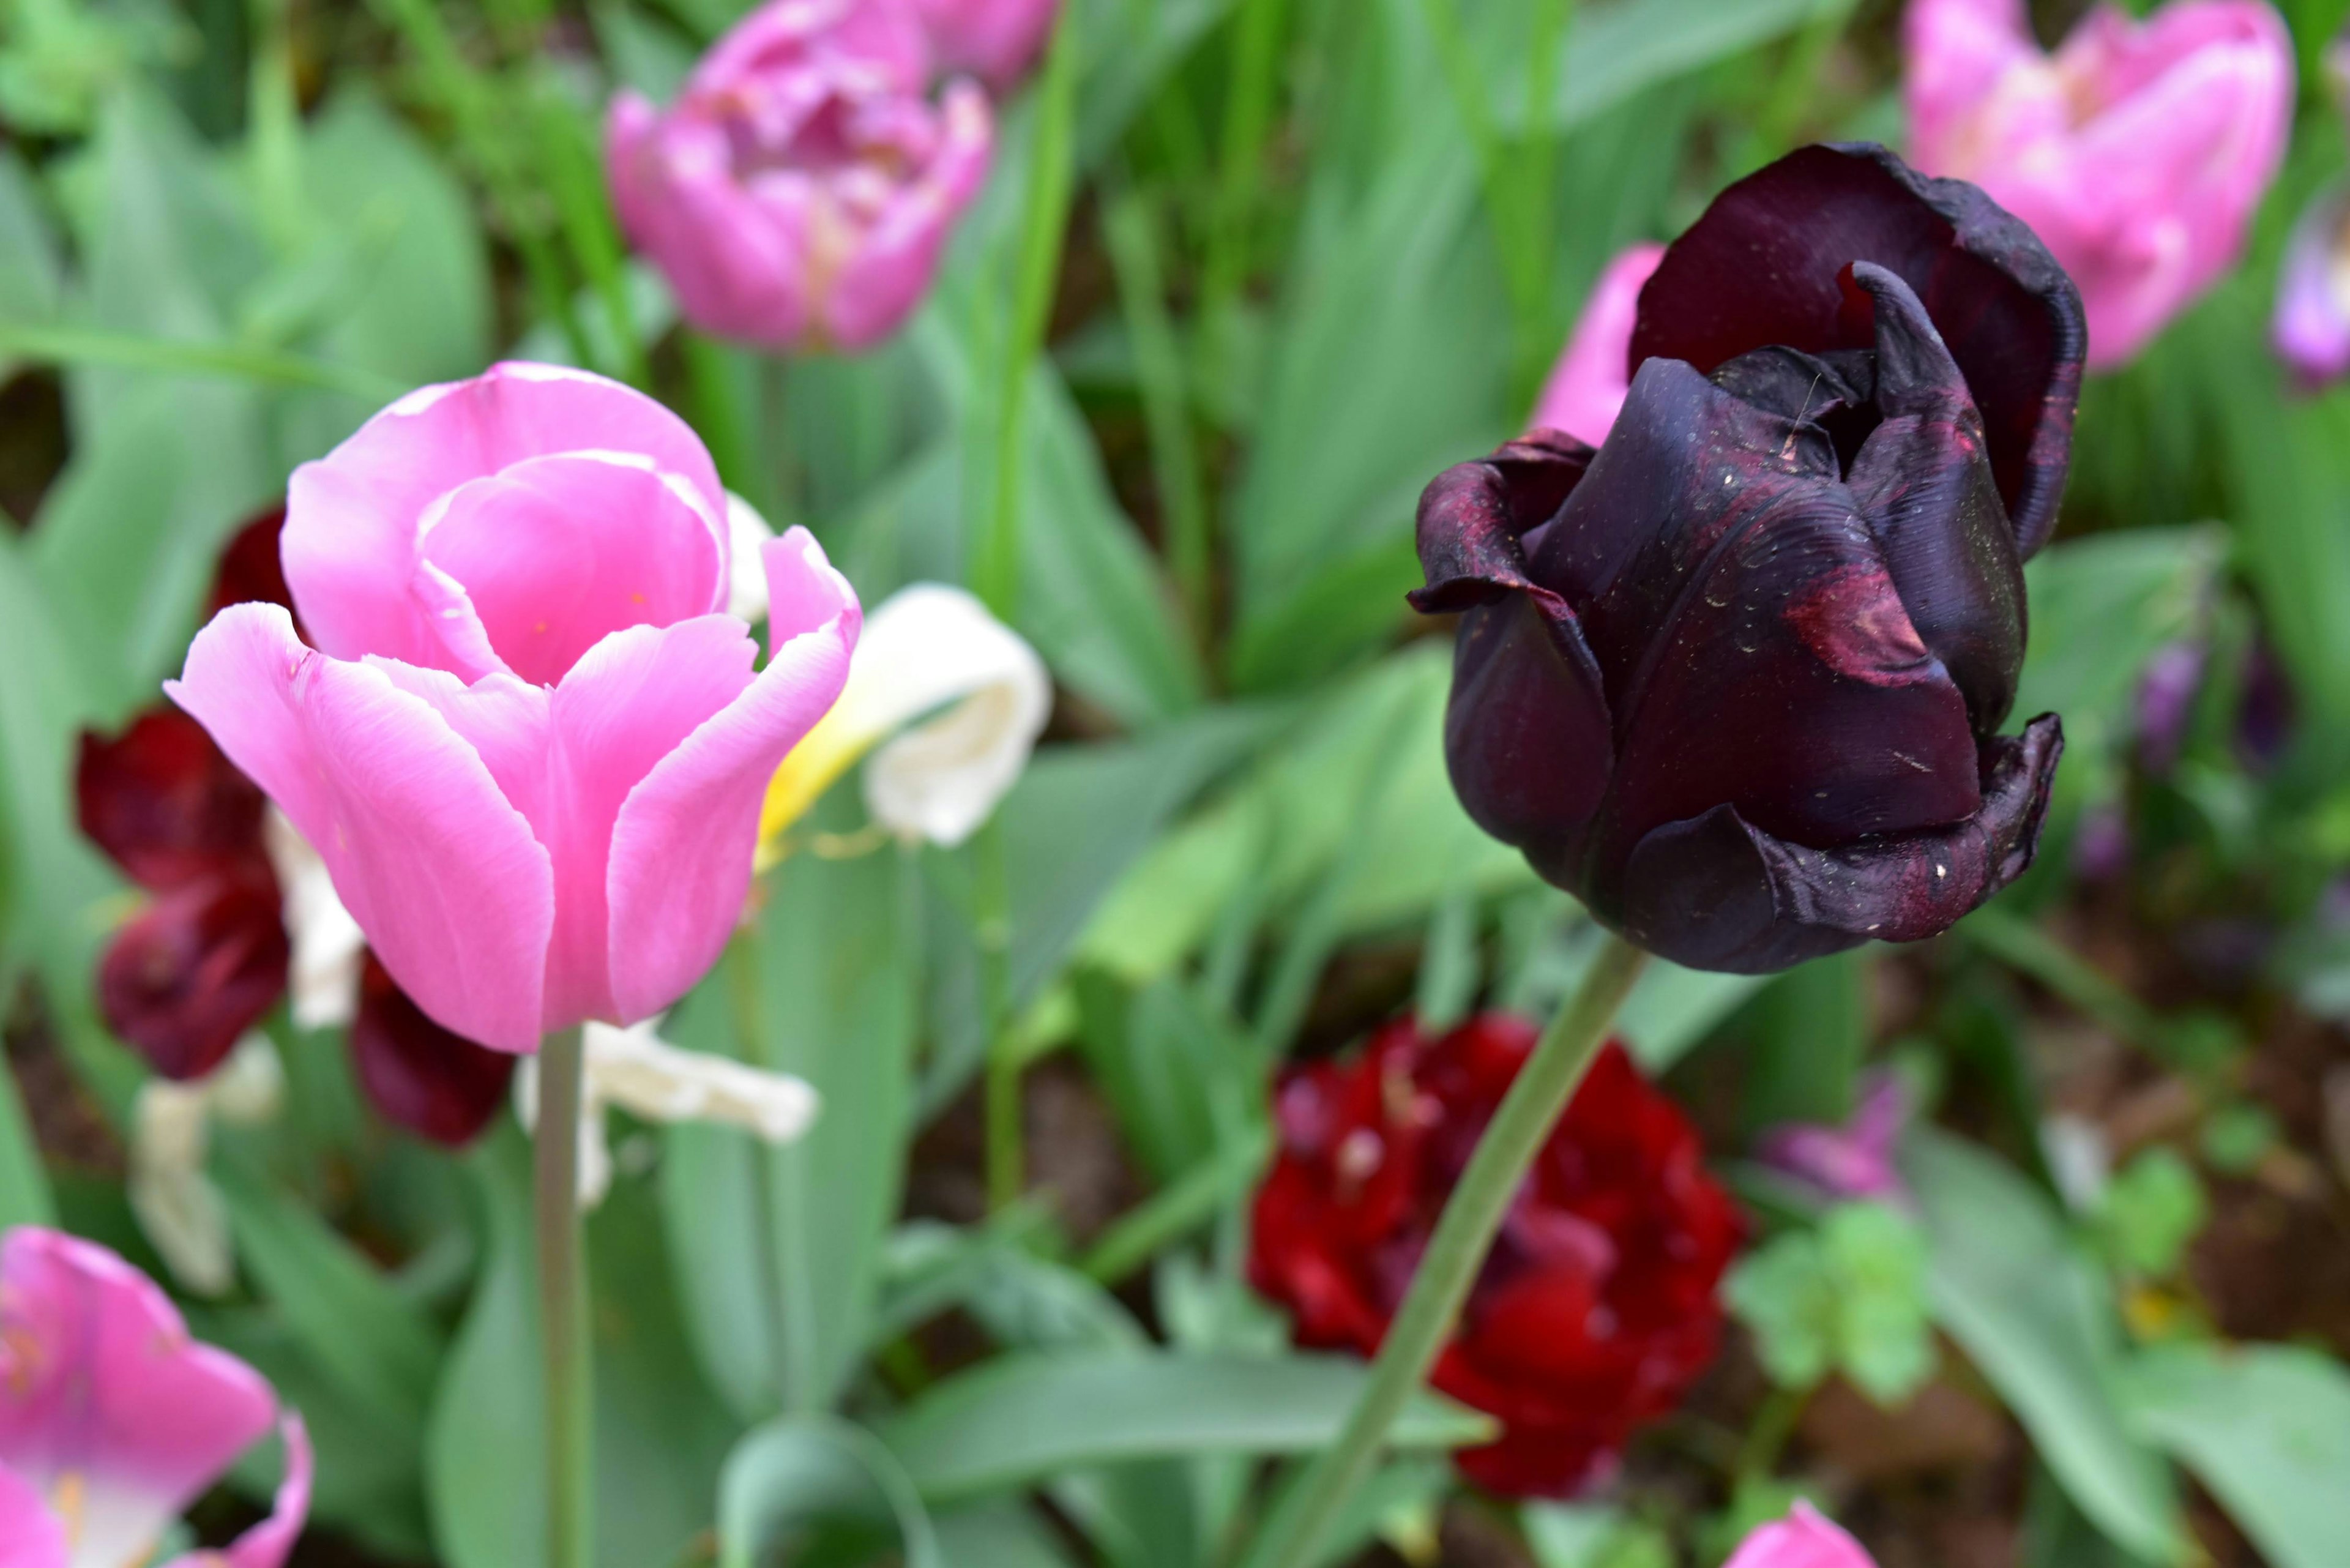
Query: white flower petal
[644, 1076]
[174, 1201]
[928, 646]
[746, 573]
[323, 978]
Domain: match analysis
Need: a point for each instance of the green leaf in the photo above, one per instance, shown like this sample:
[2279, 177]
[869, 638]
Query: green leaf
[31, 277]
[2038, 1320]
[2267, 1429]
[1616, 51]
[351, 1320]
[2151, 1209]
[999, 1535]
[792, 1477]
[1019, 1419]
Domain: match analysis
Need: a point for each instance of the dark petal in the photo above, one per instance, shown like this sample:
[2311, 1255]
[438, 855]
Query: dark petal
[1761, 267]
[1716, 893]
[1754, 649]
[417, 1075]
[251, 570]
[1473, 515]
[187, 976]
[164, 802]
[1526, 733]
[1923, 482]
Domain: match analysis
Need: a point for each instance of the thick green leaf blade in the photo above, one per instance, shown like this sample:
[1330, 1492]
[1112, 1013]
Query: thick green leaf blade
[2267, 1429]
[1020, 1419]
[2038, 1321]
[796, 1477]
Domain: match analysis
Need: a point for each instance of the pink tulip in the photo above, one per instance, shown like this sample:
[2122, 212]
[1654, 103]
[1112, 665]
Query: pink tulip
[2310, 330]
[113, 1420]
[994, 39]
[799, 193]
[1802, 1539]
[1854, 1160]
[1586, 386]
[528, 744]
[2137, 150]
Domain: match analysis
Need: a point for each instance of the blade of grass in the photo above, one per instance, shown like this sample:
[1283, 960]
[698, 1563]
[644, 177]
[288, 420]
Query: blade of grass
[1052, 172]
[567, 152]
[1248, 112]
[1177, 1210]
[1131, 226]
[77, 345]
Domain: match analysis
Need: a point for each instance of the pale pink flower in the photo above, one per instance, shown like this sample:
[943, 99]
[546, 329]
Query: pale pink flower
[1854, 1160]
[113, 1420]
[1802, 1539]
[994, 39]
[1586, 386]
[799, 193]
[2311, 329]
[529, 743]
[2137, 151]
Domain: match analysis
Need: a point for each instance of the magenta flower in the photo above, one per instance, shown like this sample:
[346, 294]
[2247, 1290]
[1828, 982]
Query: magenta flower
[2137, 150]
[797, 195]
[113, 1420]
[1802, 1539]
[994, 39]
[1851, 1161]
[2312, 327]
[1586, 386]
[528, 743]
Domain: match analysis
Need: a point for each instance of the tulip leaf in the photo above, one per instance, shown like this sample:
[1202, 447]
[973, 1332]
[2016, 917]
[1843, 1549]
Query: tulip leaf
[804, 1477]
[2266, 1428]
[1021, 1418]
[1000, 1535]
[31, 277]
[2039, 1322]
[349, 1318]
[1616, 51]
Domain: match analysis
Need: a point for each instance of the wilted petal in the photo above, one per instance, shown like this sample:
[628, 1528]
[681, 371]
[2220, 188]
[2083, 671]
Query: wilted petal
[1714, 892]
[323, 981]
[747, 534]
[2010, 317]
[164, 802]
[187, 976]
[438, 870]
[1803, 1540]
[928, 646]
[417, 1075]
[180, 1212]
[104, 1398]
[682, 845]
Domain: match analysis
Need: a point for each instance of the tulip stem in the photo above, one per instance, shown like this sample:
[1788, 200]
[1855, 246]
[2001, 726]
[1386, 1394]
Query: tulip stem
[1464, 1232]
[562, 1298]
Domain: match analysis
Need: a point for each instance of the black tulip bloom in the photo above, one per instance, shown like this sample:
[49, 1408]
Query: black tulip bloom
[1736, 678]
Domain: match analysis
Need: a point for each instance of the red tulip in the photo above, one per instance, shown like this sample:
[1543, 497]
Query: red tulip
[1596, 1307]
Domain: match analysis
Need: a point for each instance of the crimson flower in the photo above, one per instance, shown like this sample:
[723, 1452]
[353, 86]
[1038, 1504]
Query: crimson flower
[207, 956]
[1737, 677]
[1596, 1307]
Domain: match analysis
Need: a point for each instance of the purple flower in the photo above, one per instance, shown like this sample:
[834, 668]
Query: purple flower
[799, 192]
[1736, 678]
[1851, 1161]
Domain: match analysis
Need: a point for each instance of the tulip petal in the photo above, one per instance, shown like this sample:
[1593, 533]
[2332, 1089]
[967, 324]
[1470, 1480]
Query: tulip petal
[350, 539]
[1924, 484]
[554, 553]
[1804, 1539]
[418, 1075]
[323, 978]
[438, 868]
[268, 1544]
[624, 709]
[103, 1396]
[1754, 649]
[682, 846]
[898, 256]
[1714, 892]
[162, 802]
[188, 975]
[1763, 267]
[1587, 386]
[30, 1535]
[2311, 329]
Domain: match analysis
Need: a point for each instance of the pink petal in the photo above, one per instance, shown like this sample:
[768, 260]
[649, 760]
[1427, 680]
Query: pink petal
[1803, 1540]
[270, 1542]
[352, 517]
[996, 39]
[100, 1382]
[1959, 54]
[682, 848]
[1586, 388]
[2311, 329]
[30, 1535]
[737, 260]
[556, 551]
[893, 266]
[440, 869]
[630, 702]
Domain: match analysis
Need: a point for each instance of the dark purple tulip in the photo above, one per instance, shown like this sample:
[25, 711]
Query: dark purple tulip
[435, 1083]
[1736, 678]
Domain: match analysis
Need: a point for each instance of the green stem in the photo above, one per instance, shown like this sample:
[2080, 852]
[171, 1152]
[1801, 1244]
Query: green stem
[562, 1303]
[1177, 1210]
[1052, 172]
[1455, 1252]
